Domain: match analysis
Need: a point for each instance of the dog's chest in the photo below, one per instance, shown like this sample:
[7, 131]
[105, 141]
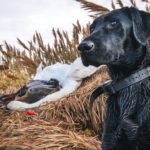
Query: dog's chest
[133, 100]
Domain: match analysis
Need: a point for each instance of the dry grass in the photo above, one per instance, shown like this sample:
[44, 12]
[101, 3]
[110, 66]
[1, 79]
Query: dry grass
[10, 80]
[35, 51]
[64, 124]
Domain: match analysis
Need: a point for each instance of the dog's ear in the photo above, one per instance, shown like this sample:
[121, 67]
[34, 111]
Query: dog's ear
[141, 25]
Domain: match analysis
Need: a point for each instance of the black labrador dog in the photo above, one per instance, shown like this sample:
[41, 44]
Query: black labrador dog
[119, 39]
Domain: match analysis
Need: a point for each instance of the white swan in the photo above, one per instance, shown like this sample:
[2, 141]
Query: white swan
[69, 77]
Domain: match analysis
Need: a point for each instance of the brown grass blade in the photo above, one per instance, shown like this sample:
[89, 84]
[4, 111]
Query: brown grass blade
[92, 7]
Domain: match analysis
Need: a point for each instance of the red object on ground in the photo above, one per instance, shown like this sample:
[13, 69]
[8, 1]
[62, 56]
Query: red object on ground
[30, 113]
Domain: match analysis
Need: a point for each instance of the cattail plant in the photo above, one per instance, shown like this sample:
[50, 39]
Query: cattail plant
[64, 49]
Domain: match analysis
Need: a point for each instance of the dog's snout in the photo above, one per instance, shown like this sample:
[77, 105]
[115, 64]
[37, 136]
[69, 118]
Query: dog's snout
[86, 46]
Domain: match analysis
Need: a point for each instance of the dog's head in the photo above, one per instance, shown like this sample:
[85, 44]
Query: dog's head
[115, 37]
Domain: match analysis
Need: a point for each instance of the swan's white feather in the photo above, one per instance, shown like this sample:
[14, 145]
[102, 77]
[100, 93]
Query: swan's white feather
[69, 76]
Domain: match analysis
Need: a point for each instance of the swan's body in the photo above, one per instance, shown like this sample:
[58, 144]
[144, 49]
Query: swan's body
[69, 77]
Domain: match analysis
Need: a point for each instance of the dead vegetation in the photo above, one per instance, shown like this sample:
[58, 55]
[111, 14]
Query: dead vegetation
[35, 51]
[64, 124]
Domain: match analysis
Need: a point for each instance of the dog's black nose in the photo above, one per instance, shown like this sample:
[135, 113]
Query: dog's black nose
[86, 46]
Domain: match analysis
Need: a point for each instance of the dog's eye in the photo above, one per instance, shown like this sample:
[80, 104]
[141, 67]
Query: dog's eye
[112, 24]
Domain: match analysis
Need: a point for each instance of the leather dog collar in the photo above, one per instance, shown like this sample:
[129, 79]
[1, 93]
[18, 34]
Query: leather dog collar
[111, 87]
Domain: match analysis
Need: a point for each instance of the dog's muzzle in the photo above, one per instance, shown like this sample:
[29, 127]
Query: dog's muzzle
[86, 46]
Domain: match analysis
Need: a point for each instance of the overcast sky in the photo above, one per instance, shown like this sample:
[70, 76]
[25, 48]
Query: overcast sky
[21, 18]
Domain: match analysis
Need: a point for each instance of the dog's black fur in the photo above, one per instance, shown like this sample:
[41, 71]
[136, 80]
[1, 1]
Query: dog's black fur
[119, 40]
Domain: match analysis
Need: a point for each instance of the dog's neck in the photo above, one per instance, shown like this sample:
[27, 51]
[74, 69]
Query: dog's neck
[118, 71]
